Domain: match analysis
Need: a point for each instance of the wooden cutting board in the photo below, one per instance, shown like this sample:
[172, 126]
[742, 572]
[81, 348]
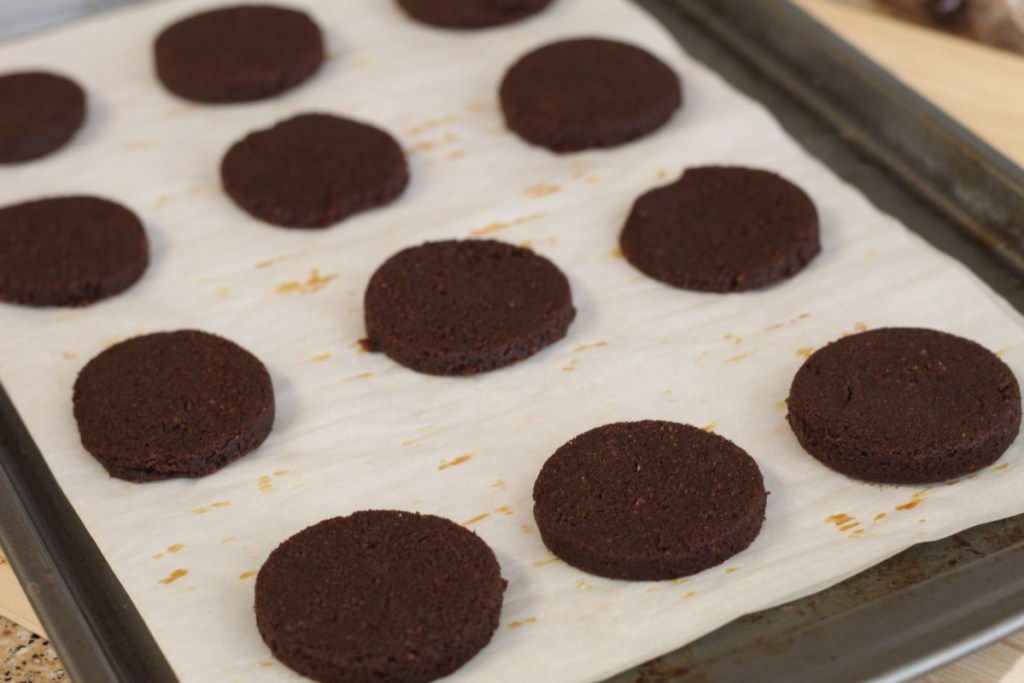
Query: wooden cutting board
[978, 86]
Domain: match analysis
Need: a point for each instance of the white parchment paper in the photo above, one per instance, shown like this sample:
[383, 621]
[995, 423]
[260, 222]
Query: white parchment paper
[357, 431]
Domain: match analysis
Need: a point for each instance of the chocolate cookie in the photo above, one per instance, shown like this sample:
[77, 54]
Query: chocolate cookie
[905, 406]
[314, 170]
[238, 54]
[722, 229]
[648, 500]
[172, 404]
[379, 596]
[471, 13]
[39, 113]
[69, 251]
[463, 307]
[588, 92]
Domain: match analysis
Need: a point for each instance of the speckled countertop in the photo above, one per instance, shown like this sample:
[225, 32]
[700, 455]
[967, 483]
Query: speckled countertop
[27, 658]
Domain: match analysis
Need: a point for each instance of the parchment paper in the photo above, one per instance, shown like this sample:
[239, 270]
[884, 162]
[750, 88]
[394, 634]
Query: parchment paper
[357, 431]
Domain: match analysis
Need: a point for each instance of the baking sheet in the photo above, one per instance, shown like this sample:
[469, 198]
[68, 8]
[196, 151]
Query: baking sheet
[356, 431]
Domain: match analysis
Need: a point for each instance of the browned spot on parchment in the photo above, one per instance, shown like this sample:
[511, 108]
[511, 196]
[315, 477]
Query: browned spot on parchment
[710, 427]
[265, 484]
[314, 284]
[738, 358]
[571, 366]
[587, 347]
[528, 217]
[488, 229]
[445, 464]
[550, 560]
[270, 261]
[805, 352]
[517, 624]
[500, 484]
[217, 504]
[839, 519]
[174, 576]
[363, 375]
[478, 518]
[163, 200]
[175, 548]
[734, 339]
[914, 501]
[542, 190]
[433, 123]
[246, 575]
[320, 358]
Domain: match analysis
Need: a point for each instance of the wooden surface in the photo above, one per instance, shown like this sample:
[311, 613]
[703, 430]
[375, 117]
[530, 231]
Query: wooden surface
[13, 603]
[980, 87]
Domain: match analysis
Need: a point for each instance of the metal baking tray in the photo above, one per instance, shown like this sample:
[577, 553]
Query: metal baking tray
[927, 606]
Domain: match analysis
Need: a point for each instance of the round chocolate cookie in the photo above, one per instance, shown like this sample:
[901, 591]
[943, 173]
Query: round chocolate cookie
[314, 170]
[467, 14]
[172, 404]
[238, 54]
[463, 307]
[577, 94]
[39, 113]
[379, 596]
[648, 500]
[905, 406]
[722, 229]
[69, 251]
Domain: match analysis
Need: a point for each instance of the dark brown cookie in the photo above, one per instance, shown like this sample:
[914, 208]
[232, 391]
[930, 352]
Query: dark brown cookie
[905, 406]
[172, 404]
[238, 54]
[648, 500]
[467, 14]
[722, 229]
[379, 596]
[39, 113]
[463, 307]
[69, 251]
[314, 170]
[577, 94]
